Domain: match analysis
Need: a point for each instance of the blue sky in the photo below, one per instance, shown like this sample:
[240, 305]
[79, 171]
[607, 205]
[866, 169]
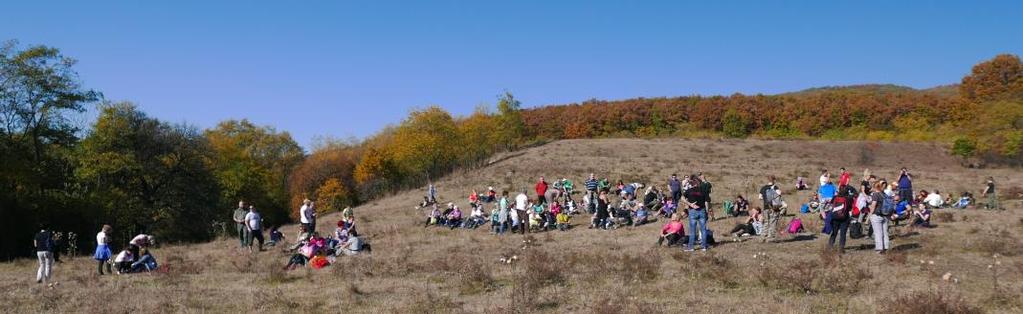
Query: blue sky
[348, 68]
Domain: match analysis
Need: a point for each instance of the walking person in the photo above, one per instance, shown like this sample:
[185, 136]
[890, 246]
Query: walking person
[771, 196]
[239, 223]
[521, 202]
[882, 207]
[254, 224]
[989, 192]
[44, 251]
[696, 199]
[103, 253]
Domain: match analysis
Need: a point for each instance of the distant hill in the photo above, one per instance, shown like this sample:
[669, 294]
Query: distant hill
[876, 89]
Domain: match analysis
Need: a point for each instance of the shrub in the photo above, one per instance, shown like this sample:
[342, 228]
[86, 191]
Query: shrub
[928, 302]
[963, 147]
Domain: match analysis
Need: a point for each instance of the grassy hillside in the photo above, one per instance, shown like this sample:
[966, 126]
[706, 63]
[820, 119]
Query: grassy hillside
[416, 269]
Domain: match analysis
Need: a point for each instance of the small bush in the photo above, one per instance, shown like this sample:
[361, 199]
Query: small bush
[944, 217]
[928, 302]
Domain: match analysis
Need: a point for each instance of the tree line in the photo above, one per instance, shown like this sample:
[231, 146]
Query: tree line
[141, 174]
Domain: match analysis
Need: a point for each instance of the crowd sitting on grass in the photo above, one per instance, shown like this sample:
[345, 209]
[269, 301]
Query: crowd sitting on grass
[846, 209]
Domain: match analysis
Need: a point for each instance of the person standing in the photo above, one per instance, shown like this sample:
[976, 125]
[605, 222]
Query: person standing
[696, 198]
[591, 193]
[254, 224]
[882, 207]
[103, 253]
[307, 215]
[239, 222]
[541, 192]
[706, 187]
[989, 192]
[44, 251]
[431, 194]
[675, 188]
[771, 196]
[841, 206]
[502, 212]
[521, 201]
[905, 185]
[825, 177]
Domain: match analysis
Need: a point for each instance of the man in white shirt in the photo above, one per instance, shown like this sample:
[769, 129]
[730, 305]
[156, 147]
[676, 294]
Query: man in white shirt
[520, 209]
[254, 223]
[307, 215]
[934, 200]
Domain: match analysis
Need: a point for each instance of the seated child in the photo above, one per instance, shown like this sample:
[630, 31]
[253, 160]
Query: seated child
[276, 236]
[145, 263]
[563, 221]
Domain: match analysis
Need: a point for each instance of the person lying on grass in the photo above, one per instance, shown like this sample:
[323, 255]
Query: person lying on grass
[751, 226]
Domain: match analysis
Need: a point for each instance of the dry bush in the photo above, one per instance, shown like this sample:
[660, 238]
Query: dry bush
[896, 257]
[474, 277]
[928, 302]
[997, 242]
[710, 266]
[944, 217]
[814, 277]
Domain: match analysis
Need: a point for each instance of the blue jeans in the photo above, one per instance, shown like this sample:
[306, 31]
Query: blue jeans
[698, 216]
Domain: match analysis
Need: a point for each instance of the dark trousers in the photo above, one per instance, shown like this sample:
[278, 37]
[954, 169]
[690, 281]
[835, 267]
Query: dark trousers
[839, 228]
[673, 239]
[258, 236]
[523, 221]
[675, 196]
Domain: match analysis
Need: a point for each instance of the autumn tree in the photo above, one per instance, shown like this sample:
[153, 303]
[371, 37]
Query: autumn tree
[509, 121]
[315, 173]
[252, 163]
[998, 78]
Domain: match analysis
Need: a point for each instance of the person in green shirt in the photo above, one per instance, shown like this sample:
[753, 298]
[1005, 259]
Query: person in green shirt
[239, 222]
[566, 184]
[604, 185]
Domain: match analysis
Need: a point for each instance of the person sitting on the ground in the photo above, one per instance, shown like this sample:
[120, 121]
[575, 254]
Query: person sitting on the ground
[965, 200]
[476, 218]
[801, 184]
[934, 200]
[302, 238]
[673, 231]
[619, 188]
[669, 208]
[124, 260]
[563, 221]
[491, 195]
[642, 216]
[749, 227]
[454, 218]
[474, 197]
[922, 216]
[146, 262]
[567, 187]
[625, 211]
[812, 205]
[741, 205]
[350, 245]
[602, 212]
[276, 236]
[307, 251]
[902, 208]
[949, 200]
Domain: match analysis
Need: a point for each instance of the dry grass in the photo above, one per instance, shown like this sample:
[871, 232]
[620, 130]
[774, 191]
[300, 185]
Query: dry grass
[429, 270]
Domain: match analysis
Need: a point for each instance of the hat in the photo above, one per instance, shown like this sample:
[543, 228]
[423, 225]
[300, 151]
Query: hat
[490, 188]
[451, 204]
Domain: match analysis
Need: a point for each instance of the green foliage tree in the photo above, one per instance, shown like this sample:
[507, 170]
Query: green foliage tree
[734, 124]
[40, 93]
[149, 176]
[963, 147]
[510, 125]
[252, 163]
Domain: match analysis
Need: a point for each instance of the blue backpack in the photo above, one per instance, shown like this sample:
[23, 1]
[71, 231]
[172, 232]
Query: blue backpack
[887, 206]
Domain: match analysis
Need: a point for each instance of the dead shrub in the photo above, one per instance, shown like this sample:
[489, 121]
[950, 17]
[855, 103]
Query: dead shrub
[474, 277]
[896, 257]
[928, 302]
[998, 242]
[709, 266]
[815, 277]
[944, 217]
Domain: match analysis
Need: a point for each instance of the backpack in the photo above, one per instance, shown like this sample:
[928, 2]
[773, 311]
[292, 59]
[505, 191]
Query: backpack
[795, 226]
[887, 206]
[840, 211]
[855, 230]
[772, 197]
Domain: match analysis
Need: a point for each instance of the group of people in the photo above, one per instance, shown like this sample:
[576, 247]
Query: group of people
[133, 257]
[314, 250]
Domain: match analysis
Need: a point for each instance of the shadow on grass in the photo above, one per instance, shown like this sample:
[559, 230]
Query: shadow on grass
[800, 237]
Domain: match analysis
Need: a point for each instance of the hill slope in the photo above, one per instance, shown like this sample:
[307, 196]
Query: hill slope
[417, 269]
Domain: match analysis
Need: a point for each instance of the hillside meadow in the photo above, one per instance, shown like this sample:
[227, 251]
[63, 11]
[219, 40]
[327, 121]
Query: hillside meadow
[972, 261]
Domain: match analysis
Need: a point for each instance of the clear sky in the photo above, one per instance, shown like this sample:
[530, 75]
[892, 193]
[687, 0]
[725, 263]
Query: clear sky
[348, 68]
